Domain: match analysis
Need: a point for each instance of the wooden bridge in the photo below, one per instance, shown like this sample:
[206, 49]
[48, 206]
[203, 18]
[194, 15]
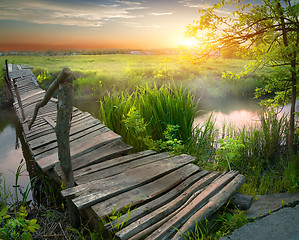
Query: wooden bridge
[167, 194]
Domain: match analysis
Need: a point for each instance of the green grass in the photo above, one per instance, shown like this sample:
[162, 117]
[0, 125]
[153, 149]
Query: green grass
[145, 115]
[117, 73]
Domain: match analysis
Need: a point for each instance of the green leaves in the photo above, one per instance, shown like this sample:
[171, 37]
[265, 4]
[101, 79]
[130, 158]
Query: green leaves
[228, 151]
[17, 227]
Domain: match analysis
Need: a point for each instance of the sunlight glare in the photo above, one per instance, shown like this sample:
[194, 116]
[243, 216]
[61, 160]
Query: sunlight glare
[188, 43]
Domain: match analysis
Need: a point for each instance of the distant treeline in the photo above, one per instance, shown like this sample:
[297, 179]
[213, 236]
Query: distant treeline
[90, 52]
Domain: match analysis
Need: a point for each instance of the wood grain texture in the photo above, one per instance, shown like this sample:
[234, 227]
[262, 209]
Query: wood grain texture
[145, 192]
[167, 210]
[99, 190]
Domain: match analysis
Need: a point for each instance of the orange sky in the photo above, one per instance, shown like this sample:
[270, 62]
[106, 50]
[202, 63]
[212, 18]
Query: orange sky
[92, 24]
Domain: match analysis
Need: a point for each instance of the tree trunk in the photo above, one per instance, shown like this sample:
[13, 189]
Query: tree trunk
[292, 112]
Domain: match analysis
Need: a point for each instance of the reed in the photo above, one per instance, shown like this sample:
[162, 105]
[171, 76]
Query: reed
[154, 109]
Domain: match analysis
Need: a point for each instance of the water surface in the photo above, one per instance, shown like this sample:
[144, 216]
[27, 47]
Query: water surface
[11, 153]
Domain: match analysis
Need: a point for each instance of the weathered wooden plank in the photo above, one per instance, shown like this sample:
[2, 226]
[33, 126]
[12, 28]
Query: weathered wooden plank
[144, 209]
[104, 162]
[35, 81]
[40, 127]
[46, 109]
[49, 141]
[33, 100]
[50, 138]
[145, 192]
[34, 93]
[46, 129]
[24, 66]
[173, 222]
[108, 151]
[50, 121]
[103, 189]
[126, 176]
[165, 210]
[210, 208]
[26, 88]
[120, 168]
[79, 148]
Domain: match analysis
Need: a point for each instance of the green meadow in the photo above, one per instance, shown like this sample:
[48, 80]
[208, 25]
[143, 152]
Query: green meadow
[116, 73]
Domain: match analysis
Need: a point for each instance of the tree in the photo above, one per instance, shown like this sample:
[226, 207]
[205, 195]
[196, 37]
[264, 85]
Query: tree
[266, 33]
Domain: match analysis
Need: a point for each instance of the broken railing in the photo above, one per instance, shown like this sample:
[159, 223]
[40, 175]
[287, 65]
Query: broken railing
[64, 115]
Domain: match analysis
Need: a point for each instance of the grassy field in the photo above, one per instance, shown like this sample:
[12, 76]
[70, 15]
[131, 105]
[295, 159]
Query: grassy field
[116, 73]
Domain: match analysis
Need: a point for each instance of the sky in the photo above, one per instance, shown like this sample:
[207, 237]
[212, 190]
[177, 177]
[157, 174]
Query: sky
[96, 24]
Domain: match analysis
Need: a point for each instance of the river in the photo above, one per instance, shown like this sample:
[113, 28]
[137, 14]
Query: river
[11, 155]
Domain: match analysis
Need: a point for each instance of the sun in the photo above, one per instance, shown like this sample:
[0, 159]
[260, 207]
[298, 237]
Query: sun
[188, 43]
[201, 40]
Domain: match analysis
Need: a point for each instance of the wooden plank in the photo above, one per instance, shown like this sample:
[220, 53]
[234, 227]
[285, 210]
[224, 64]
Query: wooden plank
[108, 172]
[141, 226]
[146, 192]
[107, 163]
[35, 81]
[40, 126]
[108, 151]
[25, 97]
[46, 129]
[174, 221]
[24, 66]
[144, 209]
[50, 121]
[210, 208]
[79, 148]
[45, 143]
[50, 138]
[100, 190]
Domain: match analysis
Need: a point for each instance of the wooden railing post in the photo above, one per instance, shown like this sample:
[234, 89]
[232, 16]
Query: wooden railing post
[19, 99]
[62, 129]
[7, 81]
[63, 75]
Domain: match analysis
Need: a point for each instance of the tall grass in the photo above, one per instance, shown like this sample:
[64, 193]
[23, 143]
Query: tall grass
[203, 143]
[148, 112]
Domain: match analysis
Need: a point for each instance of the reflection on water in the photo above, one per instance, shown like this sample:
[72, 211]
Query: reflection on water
[11, 152]
[229, 112]
[238, 113]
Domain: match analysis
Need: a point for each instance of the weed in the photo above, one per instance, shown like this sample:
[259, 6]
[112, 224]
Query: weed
[16, 226]
[114, 219]
[222, 225]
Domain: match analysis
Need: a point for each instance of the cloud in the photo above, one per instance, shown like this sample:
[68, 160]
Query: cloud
[162, 14]
[138, 25]
[200, 5]
[195, 4]
[74, 13]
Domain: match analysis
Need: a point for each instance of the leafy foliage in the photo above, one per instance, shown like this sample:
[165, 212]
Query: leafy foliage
[266, 33]
[17, 226]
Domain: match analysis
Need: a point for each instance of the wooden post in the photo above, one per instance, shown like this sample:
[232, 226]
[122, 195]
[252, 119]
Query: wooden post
[62, 129]
[7, 81]
[19, 100]
[63, 75]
